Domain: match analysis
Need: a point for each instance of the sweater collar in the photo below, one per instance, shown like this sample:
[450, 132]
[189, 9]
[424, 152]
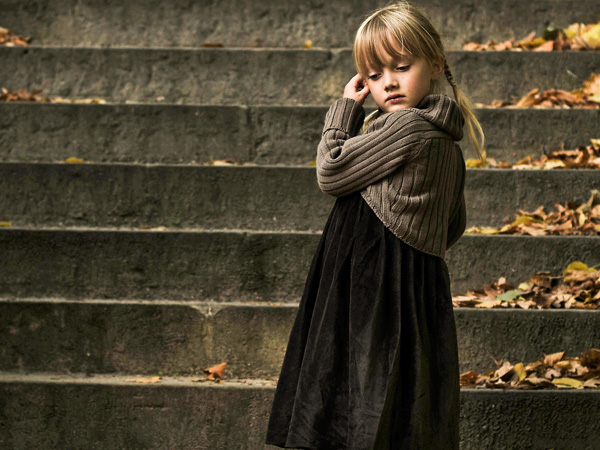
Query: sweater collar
[443, 112]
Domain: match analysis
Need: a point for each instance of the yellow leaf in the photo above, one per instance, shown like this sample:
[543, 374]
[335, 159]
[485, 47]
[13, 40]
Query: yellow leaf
[5, 224]
[308, 44]
[472, 163]
[524, 220]
[313, 163]
[74, 160]
[566, 381]
[573, 30]
[519, 369]
[592, 36]
[483, 230]
[579, 266]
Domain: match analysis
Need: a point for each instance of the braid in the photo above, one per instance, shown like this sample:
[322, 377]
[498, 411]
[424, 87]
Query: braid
[451, 80]
[473, 127]
[449, 75]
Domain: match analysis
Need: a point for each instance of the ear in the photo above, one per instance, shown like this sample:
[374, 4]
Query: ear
[437, 67]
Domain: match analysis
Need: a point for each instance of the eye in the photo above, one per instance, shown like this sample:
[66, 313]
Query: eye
[373, 76]
[402, 68]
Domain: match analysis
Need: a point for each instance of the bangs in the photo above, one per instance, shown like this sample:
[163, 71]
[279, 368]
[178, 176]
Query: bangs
[381, 35]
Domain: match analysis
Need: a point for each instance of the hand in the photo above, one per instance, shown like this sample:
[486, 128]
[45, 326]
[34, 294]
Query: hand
[356, 89]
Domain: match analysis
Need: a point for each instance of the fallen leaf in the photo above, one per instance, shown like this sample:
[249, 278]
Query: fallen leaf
[74, 160]
[215, 372]
[5, 224]
[551, 359]
[568, 382]
[150, 380]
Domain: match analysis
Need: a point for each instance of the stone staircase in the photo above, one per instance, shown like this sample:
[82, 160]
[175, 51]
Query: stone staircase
[145, 261]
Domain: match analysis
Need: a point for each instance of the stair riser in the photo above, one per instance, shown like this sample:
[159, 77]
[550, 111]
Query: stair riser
[234, 266]
[259, 198]
[287, 23]
[266, 77]
[260, 135]
[111, 416]
[184, 339]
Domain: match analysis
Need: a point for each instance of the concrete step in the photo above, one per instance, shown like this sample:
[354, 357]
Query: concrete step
[233, 266]
[111, 413]
[257, 134]
[182, 338]
[288, 23]
[263, 77]
[239, 197]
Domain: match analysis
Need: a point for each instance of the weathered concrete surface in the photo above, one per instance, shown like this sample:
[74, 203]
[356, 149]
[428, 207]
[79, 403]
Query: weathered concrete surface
[184, 338]
[109, 413]
[234, 266]
[240, 197]
[261, 135]
[263, 77]
[249, 23]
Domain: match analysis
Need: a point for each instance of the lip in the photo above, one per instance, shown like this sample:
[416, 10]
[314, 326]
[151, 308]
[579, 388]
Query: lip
[395, 98]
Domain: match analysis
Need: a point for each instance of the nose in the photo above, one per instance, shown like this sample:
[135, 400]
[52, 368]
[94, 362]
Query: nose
[390, 81]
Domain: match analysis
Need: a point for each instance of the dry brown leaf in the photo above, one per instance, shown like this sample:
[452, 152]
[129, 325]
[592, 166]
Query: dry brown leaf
[586, 97]
[9, 39]
[552, 372]
[215, 372]
[577, 36]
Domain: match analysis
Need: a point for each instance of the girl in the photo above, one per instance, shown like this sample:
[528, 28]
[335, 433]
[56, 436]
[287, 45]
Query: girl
[372, 359]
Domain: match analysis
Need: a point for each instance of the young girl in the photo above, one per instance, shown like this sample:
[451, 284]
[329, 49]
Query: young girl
[372, 359]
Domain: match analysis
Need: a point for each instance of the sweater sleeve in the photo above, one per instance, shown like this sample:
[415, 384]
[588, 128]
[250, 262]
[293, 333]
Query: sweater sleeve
[347, 163]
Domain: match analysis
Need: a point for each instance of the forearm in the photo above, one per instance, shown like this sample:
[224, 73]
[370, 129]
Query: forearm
[347, 163]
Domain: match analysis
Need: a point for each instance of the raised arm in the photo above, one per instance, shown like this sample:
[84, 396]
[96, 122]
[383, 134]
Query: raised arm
[347, 163]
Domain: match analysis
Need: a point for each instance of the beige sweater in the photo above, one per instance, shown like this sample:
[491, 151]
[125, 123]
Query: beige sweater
[407, 165]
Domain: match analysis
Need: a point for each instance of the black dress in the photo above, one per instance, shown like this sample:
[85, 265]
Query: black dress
[372, 360]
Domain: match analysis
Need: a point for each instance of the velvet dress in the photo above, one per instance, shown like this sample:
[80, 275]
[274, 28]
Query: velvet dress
[372, 360]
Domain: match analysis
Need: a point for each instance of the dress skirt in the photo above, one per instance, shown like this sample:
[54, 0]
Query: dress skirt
[372, 360]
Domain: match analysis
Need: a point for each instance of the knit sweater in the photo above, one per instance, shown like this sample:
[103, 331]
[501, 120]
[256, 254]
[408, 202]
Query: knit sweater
[407, 165]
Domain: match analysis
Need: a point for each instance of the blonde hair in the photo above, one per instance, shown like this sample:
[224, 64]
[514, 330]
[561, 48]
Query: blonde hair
[402, 28]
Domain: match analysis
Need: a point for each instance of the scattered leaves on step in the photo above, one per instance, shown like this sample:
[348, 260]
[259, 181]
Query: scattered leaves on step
[578, 287]
[22, 95]
[583, 157]
[577, 36]
[572, 218]
[588, 96]
[9, 39]
[551, 372]
[5, 224]
[145, 380]
[215, 373]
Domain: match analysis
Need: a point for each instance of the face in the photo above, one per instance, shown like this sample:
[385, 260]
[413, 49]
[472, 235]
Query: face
[402, 83]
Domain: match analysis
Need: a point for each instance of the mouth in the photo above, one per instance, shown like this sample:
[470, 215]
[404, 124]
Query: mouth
[395, 98]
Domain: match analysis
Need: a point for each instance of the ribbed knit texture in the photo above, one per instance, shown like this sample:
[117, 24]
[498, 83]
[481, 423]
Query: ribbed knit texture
[407, 165]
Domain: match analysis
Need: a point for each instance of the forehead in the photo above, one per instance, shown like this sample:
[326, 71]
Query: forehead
[384, 51]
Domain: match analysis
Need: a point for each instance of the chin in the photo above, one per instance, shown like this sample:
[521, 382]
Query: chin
[393, 108]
